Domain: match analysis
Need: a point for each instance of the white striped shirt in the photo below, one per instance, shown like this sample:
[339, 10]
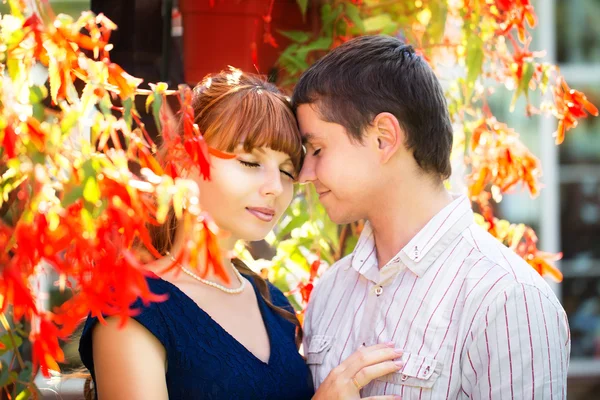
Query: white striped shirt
[475, 321]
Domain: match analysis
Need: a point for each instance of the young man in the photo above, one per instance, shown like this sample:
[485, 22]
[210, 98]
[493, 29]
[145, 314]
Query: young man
[474, 320]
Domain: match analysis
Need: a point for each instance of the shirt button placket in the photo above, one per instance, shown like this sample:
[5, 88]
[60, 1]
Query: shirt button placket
[368, 334]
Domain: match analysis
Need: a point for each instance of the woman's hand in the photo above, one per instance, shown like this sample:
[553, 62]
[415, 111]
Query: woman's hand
[358, 370]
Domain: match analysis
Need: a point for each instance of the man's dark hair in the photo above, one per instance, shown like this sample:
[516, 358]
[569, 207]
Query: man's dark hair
[373, 74]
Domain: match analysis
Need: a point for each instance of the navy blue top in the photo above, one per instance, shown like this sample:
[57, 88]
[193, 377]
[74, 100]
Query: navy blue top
[205, 362]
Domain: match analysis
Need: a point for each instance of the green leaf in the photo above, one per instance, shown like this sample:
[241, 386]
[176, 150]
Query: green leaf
[290, 60]
[54, 77]
[8, 344]
[354, 14]
[37, 94]
[296, 36]
[523, 88]
[322, 43]
[295, 222]
[294, 63]
[149, 100]
[72, 196]
[14, 68]
[99, 209]
[127, 107]
[545, 78]
[377, 23]
[156, 105]
[4, 373]
[89, 168]
[105, 105]
[69, 121]
[15, 8]
[328, 17]
[91, 190]
[303, 4]
[474, 61]
[24, 376]
[390, 29]
[24, 395]
[39, 111]
[325, 12]
[437, 24]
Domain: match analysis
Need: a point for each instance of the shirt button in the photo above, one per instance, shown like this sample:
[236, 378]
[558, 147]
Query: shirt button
[378, 290]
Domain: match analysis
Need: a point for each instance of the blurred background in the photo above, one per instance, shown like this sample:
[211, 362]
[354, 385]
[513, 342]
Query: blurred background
[566, 216]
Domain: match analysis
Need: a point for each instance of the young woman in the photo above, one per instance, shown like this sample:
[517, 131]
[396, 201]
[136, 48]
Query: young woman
[212, 340]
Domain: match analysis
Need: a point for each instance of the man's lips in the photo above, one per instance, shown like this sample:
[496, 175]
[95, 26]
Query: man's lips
[263, 213]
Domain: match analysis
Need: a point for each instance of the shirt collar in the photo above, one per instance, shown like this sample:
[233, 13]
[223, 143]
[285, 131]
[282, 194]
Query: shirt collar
[364, 257]
[422, 250]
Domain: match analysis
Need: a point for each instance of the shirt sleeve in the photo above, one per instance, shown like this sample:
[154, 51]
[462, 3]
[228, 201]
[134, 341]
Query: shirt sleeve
[306, 330]
[520, 348]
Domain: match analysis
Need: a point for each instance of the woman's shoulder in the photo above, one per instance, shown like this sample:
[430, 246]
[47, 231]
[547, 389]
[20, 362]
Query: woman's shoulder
[279, 299]
[149, 314]
[276, 296]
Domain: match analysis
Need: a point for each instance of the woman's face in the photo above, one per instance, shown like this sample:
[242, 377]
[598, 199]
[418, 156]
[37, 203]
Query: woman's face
[247, 195]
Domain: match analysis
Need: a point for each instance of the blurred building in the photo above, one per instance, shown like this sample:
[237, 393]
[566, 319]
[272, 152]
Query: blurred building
[566, 215]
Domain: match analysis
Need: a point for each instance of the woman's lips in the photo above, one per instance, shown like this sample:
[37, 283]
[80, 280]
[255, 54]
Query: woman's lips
[262, 213]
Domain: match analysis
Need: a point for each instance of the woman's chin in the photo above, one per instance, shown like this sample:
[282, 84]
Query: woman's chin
[253, 235]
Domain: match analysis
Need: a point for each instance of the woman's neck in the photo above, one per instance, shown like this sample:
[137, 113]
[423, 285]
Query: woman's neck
[226, 243]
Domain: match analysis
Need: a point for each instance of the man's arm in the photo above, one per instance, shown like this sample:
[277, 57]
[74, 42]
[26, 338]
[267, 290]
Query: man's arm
[519, 348]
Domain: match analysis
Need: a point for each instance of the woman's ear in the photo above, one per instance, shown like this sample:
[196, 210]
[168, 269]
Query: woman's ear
[389, 135]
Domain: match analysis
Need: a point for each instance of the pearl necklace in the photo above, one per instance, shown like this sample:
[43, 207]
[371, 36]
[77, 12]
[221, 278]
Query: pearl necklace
[214, 284]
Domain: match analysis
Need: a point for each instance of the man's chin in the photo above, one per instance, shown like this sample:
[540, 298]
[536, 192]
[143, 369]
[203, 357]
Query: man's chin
[339, 218]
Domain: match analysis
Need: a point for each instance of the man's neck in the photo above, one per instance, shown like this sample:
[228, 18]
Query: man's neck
[401, 213]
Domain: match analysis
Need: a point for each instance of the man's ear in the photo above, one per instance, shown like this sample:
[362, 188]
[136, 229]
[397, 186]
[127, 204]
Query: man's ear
[389, 135]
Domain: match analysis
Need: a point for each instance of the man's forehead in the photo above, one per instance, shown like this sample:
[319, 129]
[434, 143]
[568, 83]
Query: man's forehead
[311, 137]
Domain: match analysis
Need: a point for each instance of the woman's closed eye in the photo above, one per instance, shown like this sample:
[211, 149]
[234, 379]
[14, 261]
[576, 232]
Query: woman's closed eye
[316, 152]
[256, 165]
[249, 164]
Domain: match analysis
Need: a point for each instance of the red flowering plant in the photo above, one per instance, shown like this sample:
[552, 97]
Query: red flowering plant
[485, 44]
[70, 207]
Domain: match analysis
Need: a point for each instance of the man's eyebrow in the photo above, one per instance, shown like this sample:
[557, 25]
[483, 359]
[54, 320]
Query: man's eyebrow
[307, 137]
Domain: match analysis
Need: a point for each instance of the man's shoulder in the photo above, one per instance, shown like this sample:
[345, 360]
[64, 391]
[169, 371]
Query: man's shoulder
[341, 264]
[331, 275]
[502, 268]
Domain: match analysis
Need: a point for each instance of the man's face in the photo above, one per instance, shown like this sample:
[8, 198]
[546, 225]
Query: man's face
[344, 172]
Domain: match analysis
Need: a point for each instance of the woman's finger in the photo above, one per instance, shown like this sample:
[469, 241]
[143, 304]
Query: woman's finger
[366, 356]
[367, 374]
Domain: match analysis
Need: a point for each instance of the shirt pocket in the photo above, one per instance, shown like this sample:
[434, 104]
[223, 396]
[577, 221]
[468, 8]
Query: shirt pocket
[419, 371]
[318, 348]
